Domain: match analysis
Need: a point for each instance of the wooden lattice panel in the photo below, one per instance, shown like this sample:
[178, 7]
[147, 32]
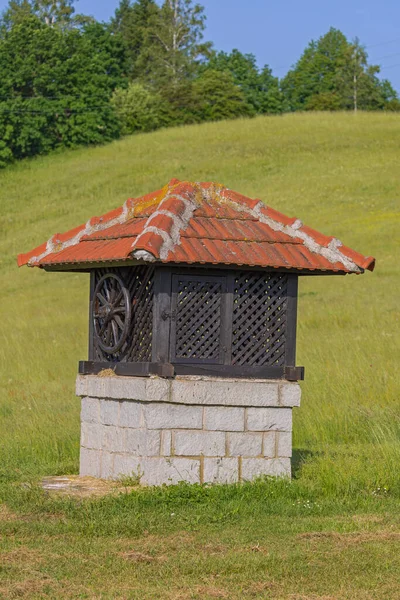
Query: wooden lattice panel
[259, 319]
[140, 284]
[197, 319]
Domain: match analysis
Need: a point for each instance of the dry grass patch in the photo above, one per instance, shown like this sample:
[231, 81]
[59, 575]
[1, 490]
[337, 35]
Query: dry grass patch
[6, 514]
[140, 557]
[351, 538]
[22, 555]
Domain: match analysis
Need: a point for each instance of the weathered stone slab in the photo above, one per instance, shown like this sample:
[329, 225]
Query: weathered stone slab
[223, 418]
[130, 414]
[245, 444]
[123, 388]
[221, 470]
[109, 412]
[196, 443]
[142, 442]
[224, 392]
[269, 444]
[172, 416]
[289, 394]
[113, 438]
[265, 419]
[284, 444]
[92, 435]
[157, 471]
[90, 410]
[90, 462]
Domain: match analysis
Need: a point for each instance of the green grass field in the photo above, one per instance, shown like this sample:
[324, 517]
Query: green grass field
[334, 531]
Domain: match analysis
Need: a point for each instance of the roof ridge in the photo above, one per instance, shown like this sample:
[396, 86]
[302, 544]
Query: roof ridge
[143, 248]
[331, 252]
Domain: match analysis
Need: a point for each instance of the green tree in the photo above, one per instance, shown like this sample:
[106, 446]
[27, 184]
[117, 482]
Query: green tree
[55, 87]
[173, 44]
[132, 21]
[16, 11]
[334, 74]
[358, 82]
[216, 96]
[54, 13]
[260, 89]
[138, 108]
[316, 70]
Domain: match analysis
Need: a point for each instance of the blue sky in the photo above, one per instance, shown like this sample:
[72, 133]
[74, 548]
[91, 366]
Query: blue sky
[277, 32]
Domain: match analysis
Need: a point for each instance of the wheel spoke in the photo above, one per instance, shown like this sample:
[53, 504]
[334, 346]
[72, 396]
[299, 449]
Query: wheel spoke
[115, 332]
[103, 328]
[101, 298]
[108, 335]
[118, 319]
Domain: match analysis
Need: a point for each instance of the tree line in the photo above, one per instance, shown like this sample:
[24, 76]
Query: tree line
[68, 80]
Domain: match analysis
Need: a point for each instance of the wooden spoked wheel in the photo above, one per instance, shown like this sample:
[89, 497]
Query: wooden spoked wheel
[111, 313]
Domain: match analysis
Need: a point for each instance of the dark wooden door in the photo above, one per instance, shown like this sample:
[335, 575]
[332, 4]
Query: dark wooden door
[198, 319]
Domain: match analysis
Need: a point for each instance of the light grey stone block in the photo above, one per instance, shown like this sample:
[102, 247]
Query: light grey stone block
[195, 443]
[113, 439]
[90, 462]
[245, 444]
[142, 442]
[157, 389]
[129, 466]
[107, 465]
[289, 394]
[221, 470]
[90, 410]
[120, 388]
[157, 471]
[130, 414]
[91, 435]
[123, 388]
[172, 416]
[166, 442]
[226, 392]
[109, 412]
[284, 444]
[224, 418]
[269, 444]
[255, 467]
[264, 419]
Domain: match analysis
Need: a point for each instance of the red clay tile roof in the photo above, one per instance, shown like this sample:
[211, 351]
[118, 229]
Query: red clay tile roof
[198, 223]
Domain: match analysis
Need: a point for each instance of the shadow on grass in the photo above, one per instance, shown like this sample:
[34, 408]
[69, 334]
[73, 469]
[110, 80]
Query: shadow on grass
[299, 457]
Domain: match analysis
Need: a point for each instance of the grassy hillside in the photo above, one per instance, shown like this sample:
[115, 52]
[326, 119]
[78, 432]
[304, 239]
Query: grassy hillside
[338, 173]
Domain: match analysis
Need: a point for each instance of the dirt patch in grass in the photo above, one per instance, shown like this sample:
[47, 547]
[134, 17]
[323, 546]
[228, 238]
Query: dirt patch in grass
[134, 556]
[352, 538]
[23, 555]
[6, 515]
[214, 549]
[30, 588]
[367, 519]
[210, 592]
[312, 597]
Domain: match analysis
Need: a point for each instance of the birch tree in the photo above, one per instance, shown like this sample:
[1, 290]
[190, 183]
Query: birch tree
[174, 42]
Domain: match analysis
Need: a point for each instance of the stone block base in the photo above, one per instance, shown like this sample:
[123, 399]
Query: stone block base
[194, 429]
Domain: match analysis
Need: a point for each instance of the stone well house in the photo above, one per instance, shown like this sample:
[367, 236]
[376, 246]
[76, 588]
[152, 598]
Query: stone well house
[191, 373]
